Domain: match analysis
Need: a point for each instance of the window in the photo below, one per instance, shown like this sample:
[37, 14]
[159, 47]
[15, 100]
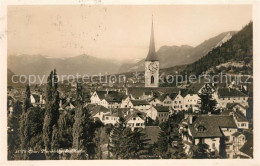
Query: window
[213, 145]
[137, 124]
[107, 118]
[152, 79]
[134, 118]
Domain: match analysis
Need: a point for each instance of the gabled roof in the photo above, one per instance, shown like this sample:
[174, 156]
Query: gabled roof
[139, 102]
[110, 96]
[172, 96]
[162, 108]
[236, 134]
[231, 105]
[240, 118]
[247, 148]
[37, 97]
[229, 92]
[212, 124]
[195, 87]
[94, 109]
[135, 114]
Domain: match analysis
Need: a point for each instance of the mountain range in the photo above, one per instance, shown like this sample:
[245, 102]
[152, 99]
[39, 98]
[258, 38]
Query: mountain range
[169, 56]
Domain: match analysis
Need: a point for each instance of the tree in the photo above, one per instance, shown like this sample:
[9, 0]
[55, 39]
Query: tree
[51, 114]
[116, 144]
[208, 104]
[83, 129]
[24, 138]
[13, 130]
[127, 144]
[27, 101]
[200, 151]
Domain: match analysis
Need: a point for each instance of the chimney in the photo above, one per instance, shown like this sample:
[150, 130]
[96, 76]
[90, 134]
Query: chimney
[179, 92]
[107, 91]
[110, 111]
[209, 113]
[190, 119]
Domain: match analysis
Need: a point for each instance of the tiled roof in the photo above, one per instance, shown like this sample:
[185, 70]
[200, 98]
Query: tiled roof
[247, 148]
[229, 92]
[110, 96]
[94, 109]
[172, 96]
[240, 118]
[152, 133]
[236, 134]
[37, 97]
[162, 108]
[227, 112]
[139, 91]
[185, 92]
[212, 124]
[231, 105]
[135, 114]
[139, 102]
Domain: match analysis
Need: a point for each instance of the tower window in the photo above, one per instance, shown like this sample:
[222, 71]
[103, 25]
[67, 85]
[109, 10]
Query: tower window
[152, 79]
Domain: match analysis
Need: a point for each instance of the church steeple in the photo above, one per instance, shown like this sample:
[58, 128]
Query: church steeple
[152, 54]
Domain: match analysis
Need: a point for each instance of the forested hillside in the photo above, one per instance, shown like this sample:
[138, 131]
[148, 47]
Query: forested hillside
[238, 48]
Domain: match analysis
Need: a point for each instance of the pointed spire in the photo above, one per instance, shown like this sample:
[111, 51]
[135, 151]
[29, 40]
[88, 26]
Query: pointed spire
[152, 54]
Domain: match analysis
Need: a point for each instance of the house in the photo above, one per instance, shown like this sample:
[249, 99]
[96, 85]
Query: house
[109, 99]
[241, 121]
[35, 99]
[155, 101]
[177, 101]
[226, 96]
[97, 111]
[126, 100]
[141, 105]
[135, 119]
[191, 100]
[217, 131]
[200, 85]
[237, 107]
[160, 112]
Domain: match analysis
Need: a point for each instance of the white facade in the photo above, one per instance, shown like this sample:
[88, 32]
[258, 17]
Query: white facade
[177, 103]
[192, 101]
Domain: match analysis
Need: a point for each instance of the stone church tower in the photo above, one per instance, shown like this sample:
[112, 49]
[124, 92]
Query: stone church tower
[152, 65]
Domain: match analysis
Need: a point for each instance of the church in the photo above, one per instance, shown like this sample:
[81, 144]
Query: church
[152, 65]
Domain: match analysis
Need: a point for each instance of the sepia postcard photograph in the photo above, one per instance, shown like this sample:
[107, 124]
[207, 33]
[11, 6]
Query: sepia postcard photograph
[137, 81]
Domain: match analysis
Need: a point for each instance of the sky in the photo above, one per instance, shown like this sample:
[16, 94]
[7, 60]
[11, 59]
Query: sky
[116, 32]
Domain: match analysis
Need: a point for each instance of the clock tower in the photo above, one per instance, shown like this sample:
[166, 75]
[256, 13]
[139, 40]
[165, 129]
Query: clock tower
[151, 64]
